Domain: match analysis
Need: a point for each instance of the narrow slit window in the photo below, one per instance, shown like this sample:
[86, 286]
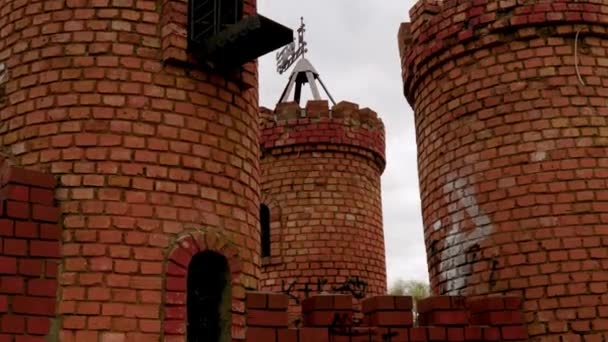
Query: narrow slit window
[209, 298]
[265, 229]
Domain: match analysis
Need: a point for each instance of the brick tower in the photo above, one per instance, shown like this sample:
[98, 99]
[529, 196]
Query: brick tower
[147, 128]
[321, 171]
[510, 111]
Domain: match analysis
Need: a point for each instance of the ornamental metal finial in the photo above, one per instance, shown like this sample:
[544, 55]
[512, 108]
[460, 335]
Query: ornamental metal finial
[288, 56]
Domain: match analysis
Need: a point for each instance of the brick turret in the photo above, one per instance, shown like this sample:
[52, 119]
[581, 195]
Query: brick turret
[155, 159]
[321, 171]
[510, 112]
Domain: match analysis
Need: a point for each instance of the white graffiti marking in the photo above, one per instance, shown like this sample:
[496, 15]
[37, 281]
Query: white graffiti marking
[3, 73]
[458, 241]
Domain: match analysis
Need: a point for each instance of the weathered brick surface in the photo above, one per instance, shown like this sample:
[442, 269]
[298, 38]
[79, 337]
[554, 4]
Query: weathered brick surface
[321, 172]
[511, 131]
[29, 254]
[387, 319]
[143, 147]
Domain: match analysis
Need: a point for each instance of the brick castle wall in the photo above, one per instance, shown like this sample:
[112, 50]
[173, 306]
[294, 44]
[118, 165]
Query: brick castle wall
[321, 172]
[510, 111]
[329, 318]
[145, 149]
[29, 254]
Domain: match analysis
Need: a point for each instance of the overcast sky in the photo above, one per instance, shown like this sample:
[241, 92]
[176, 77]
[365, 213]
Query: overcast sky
[353, 46]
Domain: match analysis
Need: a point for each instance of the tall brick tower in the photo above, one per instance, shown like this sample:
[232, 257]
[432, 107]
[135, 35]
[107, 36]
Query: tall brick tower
[144, 113]
[510, 108]
[321, 171]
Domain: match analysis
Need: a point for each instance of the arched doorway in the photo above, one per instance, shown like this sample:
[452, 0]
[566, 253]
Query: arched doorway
[208, 298]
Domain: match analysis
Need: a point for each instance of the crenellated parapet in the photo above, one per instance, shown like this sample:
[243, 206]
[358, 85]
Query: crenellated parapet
[441, 31]
[387, 318]
[344, 127]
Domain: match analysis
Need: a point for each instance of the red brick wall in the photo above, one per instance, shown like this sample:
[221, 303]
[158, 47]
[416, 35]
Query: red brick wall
[29, 254]
[512, 144]
[387, 319]
[143, 146]
[321, 181]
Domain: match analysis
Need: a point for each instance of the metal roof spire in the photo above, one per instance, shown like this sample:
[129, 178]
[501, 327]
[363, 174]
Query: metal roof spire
[302, 73]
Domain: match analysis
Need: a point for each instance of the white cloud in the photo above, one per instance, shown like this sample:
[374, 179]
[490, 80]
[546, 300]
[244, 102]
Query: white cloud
[353, 45]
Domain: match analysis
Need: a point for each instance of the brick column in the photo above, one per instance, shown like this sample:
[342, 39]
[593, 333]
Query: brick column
[391, 314]
[29, 254]
[502, 313]
[266, 316]
[441, 317]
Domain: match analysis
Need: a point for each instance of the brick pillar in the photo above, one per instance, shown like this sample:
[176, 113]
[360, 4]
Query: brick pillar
[441, 317]
[502, 313]
[392, 315]
[266, 316]
[29, 254]
[325, 316]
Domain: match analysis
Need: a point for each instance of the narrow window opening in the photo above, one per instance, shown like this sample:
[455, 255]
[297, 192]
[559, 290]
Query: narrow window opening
[209, 298]
[265, 229]
[231, 12]
[209, 17]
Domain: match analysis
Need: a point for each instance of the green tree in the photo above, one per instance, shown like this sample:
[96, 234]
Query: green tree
[417, 289]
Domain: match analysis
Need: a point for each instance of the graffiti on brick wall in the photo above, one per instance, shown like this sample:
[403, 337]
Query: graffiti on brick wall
[3, 80]
[458, 239]
[354, 286]
[343, 325]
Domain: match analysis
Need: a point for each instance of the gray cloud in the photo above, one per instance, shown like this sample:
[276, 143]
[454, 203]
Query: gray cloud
[353, 45]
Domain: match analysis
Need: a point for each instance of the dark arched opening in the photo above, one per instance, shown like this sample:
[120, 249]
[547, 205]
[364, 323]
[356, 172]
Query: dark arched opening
[209, 298]
[265, 229]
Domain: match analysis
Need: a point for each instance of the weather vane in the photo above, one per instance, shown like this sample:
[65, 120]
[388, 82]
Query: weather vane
[288, 56]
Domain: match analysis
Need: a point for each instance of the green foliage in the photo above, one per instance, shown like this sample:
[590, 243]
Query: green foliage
[417, 289]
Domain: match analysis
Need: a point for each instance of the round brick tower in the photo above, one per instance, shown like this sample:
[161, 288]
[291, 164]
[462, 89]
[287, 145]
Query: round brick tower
[155, 159]
[321, 171]
[511, 116]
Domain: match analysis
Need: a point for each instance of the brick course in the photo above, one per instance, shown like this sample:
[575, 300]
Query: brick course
[510, 123]
[321, 170]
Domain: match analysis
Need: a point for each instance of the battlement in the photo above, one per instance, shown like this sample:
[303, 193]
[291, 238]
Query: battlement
[440, 31]
[346, 112]
[343, 126]
[386, 318]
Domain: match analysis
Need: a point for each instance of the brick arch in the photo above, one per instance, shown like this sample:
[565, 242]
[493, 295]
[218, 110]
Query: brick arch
[178, 258]
[276, 229]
